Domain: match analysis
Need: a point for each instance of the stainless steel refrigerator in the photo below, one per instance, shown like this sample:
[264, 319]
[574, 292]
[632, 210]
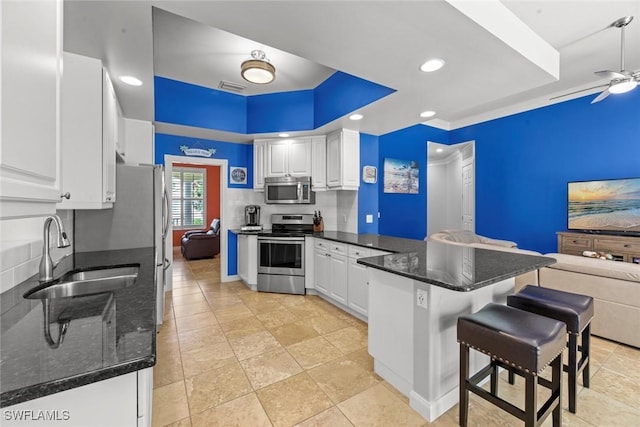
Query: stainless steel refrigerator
[139, 219]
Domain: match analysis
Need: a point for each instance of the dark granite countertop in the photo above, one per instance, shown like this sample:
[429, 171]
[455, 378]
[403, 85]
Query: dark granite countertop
[109, 334]
[255, 233]
[455, 267]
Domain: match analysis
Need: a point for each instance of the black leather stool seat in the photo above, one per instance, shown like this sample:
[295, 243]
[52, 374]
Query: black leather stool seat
[575, 310]
[522, 342]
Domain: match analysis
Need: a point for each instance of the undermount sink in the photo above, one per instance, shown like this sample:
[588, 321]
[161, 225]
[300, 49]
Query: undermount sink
[86, 282]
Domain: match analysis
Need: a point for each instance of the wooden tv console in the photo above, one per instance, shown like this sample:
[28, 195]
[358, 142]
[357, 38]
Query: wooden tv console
[622, 248]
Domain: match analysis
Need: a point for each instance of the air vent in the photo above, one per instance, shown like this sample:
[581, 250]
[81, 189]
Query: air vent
[234, 87]
[467, 152]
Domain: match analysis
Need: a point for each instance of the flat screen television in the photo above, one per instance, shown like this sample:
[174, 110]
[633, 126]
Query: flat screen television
[607, 206]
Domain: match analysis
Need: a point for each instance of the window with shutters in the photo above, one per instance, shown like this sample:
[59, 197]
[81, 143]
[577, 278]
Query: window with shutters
[188, 191]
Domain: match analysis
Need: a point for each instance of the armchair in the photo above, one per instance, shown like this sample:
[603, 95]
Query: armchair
[202, 243]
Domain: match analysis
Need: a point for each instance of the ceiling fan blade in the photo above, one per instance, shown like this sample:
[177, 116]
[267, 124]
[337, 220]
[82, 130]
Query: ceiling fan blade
[608, 74]
[602, 96]
[578, 91]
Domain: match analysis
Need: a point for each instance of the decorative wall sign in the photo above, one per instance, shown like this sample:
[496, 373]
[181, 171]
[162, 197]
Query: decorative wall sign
[370, 174]
[200, 152]
[401, 176]
[238, 175]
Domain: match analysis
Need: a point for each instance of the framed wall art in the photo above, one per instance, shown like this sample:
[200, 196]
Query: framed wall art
[370, 174]
[401, 176]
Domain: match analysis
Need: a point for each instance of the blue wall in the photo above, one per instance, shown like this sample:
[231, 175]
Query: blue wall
[191, 105]
[368, 193]
[524, 161]
[239, 155]
[343, 93]
[405, 215]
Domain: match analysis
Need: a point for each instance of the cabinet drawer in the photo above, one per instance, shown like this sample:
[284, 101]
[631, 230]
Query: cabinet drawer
[576, 242]
[614, 245]
[322, 244]
[338, 248]
[358, 252]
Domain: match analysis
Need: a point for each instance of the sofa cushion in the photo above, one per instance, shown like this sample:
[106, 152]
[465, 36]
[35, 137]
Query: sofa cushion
[596, 267]
[503, 248]
[461, 236]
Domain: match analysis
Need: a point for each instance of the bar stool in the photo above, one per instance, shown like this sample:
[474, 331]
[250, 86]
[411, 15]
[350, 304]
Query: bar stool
[519, 341]
[576, 311]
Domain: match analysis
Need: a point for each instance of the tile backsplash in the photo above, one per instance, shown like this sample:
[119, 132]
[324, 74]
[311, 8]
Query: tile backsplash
[20, 258]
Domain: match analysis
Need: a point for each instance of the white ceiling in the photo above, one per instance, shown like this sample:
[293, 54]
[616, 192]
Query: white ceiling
[488, 72]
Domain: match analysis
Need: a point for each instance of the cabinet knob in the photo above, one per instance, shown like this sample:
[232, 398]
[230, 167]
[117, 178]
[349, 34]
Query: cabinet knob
[66, 195]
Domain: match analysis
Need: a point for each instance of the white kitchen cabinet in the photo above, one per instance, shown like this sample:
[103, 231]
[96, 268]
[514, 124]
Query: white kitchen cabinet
[248, 259]
[358, 280]
[124, 400]
[330, 269]
[339, 276]
[321, 270]
[139, 141]
[319, 163]
[343, 160]
[89, 134]
[259, 164]
[339, 269]
[31, 70]
[289, 157]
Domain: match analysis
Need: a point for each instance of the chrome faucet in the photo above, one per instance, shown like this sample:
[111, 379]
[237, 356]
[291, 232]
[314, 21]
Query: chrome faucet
[46, 265]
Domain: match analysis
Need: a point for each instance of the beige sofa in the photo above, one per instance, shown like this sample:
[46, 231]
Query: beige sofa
[465, 237]
[469, 238]
[614, 286]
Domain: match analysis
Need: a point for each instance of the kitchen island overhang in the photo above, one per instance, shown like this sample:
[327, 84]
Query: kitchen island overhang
[415, 299]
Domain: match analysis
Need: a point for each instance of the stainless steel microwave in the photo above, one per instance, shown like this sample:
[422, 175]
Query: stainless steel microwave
[289, 190]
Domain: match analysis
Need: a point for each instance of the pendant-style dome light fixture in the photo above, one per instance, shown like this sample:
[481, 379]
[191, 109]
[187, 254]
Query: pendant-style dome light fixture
[258, 69]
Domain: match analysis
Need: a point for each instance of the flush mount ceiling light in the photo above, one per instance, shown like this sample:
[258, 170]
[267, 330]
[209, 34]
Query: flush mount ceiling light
[130, 80]
[283, 135]
[432, 65]
[258, 69]
[356, 117]
[427, 113]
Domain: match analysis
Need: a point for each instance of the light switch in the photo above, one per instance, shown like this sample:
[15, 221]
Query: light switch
[369, 219]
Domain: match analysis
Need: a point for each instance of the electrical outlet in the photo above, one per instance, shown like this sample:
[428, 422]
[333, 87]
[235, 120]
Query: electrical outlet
[421, 298]
[369, 219]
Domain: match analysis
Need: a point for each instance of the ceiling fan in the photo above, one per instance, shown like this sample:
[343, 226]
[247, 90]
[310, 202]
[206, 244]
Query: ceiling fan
[621, 81]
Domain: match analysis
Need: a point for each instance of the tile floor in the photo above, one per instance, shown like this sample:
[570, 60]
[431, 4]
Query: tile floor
[228, 356]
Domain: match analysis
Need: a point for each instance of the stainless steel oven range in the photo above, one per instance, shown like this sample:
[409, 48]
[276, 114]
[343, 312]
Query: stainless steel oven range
[281, 254]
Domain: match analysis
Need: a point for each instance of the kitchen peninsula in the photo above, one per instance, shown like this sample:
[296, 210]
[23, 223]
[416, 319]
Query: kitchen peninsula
[415, 299]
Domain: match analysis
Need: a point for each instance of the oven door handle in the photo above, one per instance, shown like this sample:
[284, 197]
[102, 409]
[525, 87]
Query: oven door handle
[292, 240]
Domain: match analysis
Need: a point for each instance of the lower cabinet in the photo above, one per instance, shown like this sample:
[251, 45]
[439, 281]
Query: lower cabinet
[248, 259]
[124, 400]
[338, 275]
[358, 287]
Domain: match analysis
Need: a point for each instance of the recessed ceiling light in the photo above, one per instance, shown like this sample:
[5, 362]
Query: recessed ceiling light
[439, 150]
[283, 135]
[356, 117]
[432, 65]
[130, 80]
[427, 113]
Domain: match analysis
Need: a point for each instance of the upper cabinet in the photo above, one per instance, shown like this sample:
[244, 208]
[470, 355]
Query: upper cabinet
[90, 133]
[290, 157]
[332, 161]
[319, 163]
[259, 164]
[31, 36]
[343, 160]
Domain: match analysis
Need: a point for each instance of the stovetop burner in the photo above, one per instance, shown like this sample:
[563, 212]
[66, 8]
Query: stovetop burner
[290, 225]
